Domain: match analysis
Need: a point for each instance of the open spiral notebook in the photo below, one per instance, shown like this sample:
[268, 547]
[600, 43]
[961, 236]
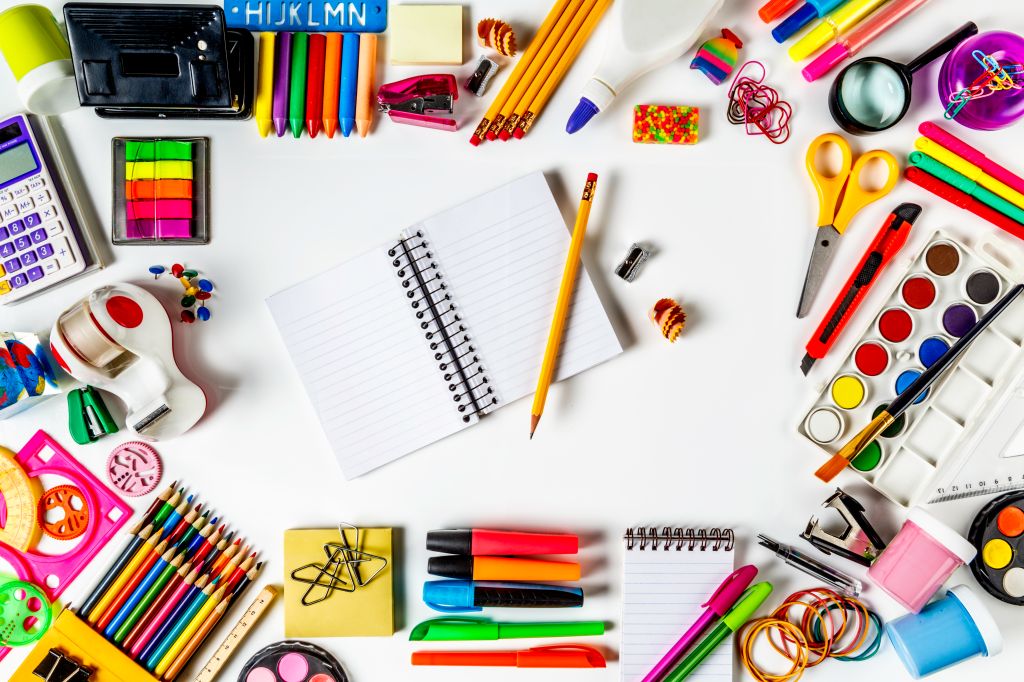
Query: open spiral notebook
[414, 341]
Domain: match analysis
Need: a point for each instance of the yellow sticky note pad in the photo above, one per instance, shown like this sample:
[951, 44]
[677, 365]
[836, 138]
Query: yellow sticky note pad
[425, 34]
[366, 612]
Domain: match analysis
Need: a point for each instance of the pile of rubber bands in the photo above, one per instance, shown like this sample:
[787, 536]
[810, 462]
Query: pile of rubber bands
[808, 628]
[757, 106]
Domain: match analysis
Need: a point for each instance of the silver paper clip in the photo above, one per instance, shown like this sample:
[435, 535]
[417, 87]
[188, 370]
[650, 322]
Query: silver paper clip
[327, 578]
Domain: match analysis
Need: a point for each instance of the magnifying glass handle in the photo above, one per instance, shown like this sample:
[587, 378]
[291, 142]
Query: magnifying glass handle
[943, 46]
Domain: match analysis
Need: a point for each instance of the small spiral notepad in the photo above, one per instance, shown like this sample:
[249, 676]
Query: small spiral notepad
[669, 573]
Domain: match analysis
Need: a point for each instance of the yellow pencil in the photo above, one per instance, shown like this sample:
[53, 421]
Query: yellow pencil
[556, 56]
[565, 291]
[126, 575]
[527, 120]
[524, 62]
[544, 54]
[189, 631]
[265, 89]
[367, 69]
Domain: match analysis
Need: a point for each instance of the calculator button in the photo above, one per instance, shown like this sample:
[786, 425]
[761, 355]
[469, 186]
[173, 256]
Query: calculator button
[12, 265]
[22, 243]
[41, 198]
[32, 220]
[19, 280]
[36, 183]
[64, 255]
[9, 212]
[17, 227]
[54, 228]
[21, 191]
[29, 258]
[2, 271]
[48, 213]
[38, 237]
[26, 204]
[6, 198]
[4, 234]
[5, 287]
[44, 251]
[50, 267]
[6, 249]
[35, 273]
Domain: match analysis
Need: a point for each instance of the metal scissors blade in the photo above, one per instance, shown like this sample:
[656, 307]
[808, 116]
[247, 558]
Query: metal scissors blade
[824, 249]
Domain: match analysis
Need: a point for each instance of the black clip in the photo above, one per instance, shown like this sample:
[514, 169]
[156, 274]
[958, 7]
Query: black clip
[56, 667]
[859, 541]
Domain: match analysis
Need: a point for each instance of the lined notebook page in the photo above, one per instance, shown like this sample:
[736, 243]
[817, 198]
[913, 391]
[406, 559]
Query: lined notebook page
[502, 255]
[363, 360]
[662, 595]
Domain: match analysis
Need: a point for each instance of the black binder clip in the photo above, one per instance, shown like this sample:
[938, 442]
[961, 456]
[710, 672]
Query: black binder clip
[859, 541]
[88, 417]
[56, 667]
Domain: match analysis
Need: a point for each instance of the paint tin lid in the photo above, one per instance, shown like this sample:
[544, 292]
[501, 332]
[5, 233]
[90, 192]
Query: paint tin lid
[943, 534]
[982, 618]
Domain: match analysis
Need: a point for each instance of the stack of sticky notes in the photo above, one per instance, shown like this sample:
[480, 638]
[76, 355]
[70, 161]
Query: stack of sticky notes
[425, 34]
[653, 124]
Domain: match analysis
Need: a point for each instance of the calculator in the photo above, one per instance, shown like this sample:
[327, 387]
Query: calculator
[41, 239]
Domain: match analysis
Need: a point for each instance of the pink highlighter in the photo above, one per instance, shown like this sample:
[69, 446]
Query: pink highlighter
[970, 154]
[721, 601]
[874, 26]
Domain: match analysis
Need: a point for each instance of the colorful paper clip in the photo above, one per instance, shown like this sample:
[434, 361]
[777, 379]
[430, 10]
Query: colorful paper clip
[88, 417]
[408, 101]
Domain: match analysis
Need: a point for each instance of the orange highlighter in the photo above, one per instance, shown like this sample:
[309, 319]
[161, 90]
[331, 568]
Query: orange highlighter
[556, 656]
[502, 568]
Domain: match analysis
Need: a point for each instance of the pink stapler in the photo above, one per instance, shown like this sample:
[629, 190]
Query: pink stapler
[119, 340]
[407, 101]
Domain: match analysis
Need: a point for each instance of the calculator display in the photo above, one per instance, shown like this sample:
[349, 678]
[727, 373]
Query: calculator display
[16, 162]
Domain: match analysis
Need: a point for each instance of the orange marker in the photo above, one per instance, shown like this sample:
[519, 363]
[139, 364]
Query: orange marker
[367, 70]
[502, 568]
[558, 656]
[332, 82]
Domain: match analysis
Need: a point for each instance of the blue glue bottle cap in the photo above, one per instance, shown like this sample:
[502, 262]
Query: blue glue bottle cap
[585, 111]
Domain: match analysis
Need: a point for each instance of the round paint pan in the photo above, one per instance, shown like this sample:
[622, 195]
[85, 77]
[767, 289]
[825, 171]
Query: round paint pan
[871, 358]
[996, 533]
[824, 425]
[905, 379]
[896, 428]
[983, 286]
[848, 392]
[931, 349]
[958, 318]
[895, 325]
[918, 292]
[942, 258]
[292, 661]
[869, 458]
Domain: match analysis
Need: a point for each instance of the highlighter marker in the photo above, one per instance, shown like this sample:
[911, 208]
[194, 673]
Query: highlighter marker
[479, 542]
[502, 568]
[831, 27]
[315, 84]
[282, 80]
[457, 596]
[264, 113]
[468, 629]
[805, 14]
[349, 83]
[556, 656]
[297, 92]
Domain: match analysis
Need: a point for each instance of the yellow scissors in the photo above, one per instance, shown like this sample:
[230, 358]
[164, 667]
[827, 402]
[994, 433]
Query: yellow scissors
[840, 197]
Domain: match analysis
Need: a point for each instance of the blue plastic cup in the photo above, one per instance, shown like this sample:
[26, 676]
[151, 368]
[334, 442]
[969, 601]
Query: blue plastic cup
[946, 632]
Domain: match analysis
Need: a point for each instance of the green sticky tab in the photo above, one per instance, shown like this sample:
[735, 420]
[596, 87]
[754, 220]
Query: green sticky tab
[139, 150]
[157, 150]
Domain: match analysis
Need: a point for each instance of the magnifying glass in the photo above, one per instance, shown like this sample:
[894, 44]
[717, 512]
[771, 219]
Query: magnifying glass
[873, 94]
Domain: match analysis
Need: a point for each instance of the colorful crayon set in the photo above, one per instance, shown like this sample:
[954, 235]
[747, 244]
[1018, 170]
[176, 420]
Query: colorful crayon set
[171, 585]
[315, 82]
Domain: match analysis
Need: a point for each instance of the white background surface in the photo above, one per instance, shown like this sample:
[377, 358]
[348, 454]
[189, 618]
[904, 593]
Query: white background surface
[700, 433]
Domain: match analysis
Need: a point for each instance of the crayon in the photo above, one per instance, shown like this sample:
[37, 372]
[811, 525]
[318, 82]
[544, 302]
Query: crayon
[315, 84]
[282, 79]
[349, 83]
[367, 71]
[265, 88]
[297, 91]
[332, 83]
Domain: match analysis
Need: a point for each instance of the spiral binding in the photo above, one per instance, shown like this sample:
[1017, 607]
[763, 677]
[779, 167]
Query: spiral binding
[643, 538]
[442, 326]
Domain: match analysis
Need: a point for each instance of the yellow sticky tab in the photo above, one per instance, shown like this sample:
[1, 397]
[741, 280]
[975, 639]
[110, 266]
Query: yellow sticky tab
[158, 170]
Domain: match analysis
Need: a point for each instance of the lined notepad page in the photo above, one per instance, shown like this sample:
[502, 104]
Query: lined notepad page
[662, 595]
[502, 255]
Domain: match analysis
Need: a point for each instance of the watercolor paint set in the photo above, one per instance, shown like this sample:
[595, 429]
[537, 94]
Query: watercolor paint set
[946, 289]
[998, 535]
[292, 661]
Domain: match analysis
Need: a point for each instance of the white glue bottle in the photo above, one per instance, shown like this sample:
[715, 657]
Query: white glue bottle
[645, 34]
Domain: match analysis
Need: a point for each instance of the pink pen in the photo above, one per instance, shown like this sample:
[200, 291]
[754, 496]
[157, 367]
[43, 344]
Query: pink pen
[969, 153]
[849, 45]
[721, 601]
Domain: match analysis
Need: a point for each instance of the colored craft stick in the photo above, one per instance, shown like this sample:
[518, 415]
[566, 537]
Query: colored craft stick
[968, 153]
[158, 170]
[282, 81]
[153, 189]
[195, 593]
[156, 620]
[332, 83]
[349, 83]
[133, 582]
[265, 87]
[143, 553]
[367, 73]
[966, 185]
[146, 598]
[968, 169]
[138, 537]
[187, 630]
[315, 84]
[297, 89]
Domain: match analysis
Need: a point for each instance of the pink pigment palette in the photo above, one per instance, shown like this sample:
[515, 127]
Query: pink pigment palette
[292, 661]
[946, 289]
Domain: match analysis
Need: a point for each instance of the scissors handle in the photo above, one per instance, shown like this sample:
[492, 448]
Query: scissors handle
[829, 188]
[857, 197]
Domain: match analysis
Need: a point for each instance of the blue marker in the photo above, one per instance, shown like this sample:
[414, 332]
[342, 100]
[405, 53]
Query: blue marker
[457, 596]
[808, 12]
[349, 83]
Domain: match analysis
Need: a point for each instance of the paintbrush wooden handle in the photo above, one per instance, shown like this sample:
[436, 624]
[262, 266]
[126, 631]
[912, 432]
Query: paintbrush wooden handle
[854, 447]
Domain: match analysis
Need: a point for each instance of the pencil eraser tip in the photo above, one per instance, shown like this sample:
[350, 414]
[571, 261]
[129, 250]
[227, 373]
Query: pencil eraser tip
[504, 136]
[475, 141]
[592, 177]
[518, 133]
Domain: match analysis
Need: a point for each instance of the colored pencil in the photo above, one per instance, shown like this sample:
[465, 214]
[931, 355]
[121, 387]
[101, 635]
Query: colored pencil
[184, 525]
[128, 587]
[297, 89]
[161, 506]
[282, 81]
[192, 530]
[264, 112]
[225, 557]
[207, 546]
[230, 567]
[315, 84]
[175, 518]
[137, 538]
[157, 638]
[565, 294]
[543, 75]
[138, 590]
[247, 580]
[164, 602]
[219, 548]
[540, 101]
[577, 8]
[332, 83]
[236, 576]
[122, 579]
[185, 628]
[367, 74]
[142, 604]
[349, 83]
[517, 72]
[197, 639]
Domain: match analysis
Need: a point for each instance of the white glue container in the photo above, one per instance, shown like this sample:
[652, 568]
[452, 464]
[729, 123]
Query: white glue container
[645, 34]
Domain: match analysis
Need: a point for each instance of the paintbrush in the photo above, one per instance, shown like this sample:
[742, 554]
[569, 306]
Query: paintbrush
[897, 407]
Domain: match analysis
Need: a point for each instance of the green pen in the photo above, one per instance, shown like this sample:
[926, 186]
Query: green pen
[966, 185]
[297, 91]
[732, 621]
[462, 629]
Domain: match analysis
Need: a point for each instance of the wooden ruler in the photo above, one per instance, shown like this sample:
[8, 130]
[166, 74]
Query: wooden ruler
[238, 633]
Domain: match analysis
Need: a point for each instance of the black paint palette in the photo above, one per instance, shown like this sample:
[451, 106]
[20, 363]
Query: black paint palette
[998, 534]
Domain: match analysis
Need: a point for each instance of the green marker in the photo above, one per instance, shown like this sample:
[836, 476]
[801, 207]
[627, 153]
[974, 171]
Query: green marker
[732, 621]
[966, 185]
[297, 91]
[460, 629]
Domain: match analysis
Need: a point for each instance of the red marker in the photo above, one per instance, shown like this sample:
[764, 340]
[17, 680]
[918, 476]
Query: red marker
[479, 542]
[315, 84]
[557, 656]
[964, 201]
[888, 242]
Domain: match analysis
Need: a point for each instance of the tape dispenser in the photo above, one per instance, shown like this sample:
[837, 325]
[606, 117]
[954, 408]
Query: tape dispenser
[119, 340]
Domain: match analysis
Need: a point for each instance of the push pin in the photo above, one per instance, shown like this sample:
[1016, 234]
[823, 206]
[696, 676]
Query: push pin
[859, 541]
[197, 290]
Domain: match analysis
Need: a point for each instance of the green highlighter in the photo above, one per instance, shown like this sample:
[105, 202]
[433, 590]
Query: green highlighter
[966, 185]
[297, 89]
[461, 629]
[732, 621]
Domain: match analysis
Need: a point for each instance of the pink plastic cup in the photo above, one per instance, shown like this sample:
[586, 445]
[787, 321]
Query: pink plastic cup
[919, 560]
